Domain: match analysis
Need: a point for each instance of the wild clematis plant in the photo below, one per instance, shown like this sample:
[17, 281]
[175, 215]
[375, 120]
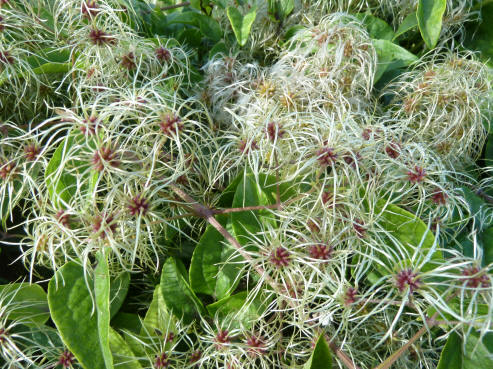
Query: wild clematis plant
[270, 184]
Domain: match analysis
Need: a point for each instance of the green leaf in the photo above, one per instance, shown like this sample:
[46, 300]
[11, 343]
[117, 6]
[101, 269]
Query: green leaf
[157, 316]
[31, 305]
[60, 185]
[51, 68]
[478, 352]
[123, 356]
[220, 47]
[128, 321]
[429, 15]
[241, 24]
[237, 308]
[102, 295]
[410, 231]
[280, 9]
[480, 38]
[226, 199]
[212, 270]
[177, 294]
[410, 22]
[391, 57]
[63, 175]
[377, 28]
[203, 5]
[451, 357]
[477, 208]
[321, 357]
[246, 223]
[118, 291]
[71, 308]
[487, 241]
[488, 153]
[210, 28]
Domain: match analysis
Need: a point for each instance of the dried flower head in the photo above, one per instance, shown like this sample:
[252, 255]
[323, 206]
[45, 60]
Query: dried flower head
[417, 175]
[170, 124]
[138, 205]
[100, 38]
[280, 257]
[66, 360]
[105, 156]
[163, 54]
[476, 277]
[407, 278]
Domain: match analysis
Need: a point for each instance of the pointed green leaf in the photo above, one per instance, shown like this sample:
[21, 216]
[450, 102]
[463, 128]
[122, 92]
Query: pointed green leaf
[212, 270]
[177, 294]
[487, 241]
[237, 308]
[118, 291]
[123, 356]
[64, 175]
[478, 352]
[377, 28]
[102, 295]
[31, 305]
[410, 22]
[451, 357]
[480, 38]
[203, 5]
[391, 57]
[246, 223]
[157, 316]
[241, 24]
[410, 231]
[71, 308]
[429, 15]
[321, 357]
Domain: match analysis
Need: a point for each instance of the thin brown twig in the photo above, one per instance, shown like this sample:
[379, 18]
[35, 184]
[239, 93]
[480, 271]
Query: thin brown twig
[431, 322]
[245, 208]
[208, 214]
[180, 5]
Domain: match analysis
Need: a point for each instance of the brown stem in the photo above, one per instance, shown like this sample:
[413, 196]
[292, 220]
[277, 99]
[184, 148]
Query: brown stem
[246, 208]
[396, 355]
[180, 5]
[346, 360]
[484, 196]
[278, 187]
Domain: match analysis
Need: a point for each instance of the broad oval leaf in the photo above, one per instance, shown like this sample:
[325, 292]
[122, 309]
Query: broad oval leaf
[118, 291]
[177, 294]
[407, 229]
[64, 175]
[28, 303]
[241, 311]
[430, 15]
[71, 308]
[478, 351]
[213, 271]
[247, 223]
[451, 357]
[241, 24]
[410, 22]
[157, 316]
[391, 57]
[123, 355]
[321, 357]
[377, 28]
